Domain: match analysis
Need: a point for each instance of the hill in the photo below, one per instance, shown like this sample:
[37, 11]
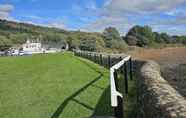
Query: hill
[13, 33]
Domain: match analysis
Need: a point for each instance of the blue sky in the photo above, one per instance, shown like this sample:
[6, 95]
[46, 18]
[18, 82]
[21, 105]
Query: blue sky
[94, 15]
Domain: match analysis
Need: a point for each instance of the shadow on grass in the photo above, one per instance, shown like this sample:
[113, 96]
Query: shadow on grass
[89, 65]
[66, 101]
[103, 106]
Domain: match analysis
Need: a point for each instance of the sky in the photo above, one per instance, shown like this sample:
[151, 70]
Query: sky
[95, 15]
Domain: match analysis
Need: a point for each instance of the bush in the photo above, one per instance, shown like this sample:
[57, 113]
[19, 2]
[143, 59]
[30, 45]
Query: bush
[118, 44]
[5, 43]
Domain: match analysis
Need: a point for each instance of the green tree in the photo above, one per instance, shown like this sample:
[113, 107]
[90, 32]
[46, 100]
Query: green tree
[165, 37]
[89, 44]
[158, 38]
[19, 38]
[5, 43]
[111, 34]
[144, 35]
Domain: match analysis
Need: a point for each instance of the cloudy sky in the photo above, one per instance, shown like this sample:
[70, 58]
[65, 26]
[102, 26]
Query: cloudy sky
[94, 15]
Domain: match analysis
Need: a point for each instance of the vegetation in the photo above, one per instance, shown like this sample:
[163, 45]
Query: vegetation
[4, 43]
[31, 88]
[18, 33]
[145, 37]
[113, 39]
[12, 33]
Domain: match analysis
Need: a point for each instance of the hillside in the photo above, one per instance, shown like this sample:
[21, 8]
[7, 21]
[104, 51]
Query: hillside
[13, 33]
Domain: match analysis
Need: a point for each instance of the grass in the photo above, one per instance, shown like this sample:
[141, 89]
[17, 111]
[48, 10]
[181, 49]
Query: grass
[53, 86]
[130, 99]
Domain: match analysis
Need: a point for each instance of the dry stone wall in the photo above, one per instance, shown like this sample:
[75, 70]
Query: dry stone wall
[156, 98]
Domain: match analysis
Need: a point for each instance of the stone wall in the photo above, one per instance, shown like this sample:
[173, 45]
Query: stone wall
[156, 98]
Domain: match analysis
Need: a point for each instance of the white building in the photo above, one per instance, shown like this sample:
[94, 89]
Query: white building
[33, 47]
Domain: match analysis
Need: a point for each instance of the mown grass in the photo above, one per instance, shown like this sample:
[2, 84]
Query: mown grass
[53, 86]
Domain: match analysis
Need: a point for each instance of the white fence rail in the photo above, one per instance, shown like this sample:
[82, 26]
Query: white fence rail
[114, 63]
[114, 92]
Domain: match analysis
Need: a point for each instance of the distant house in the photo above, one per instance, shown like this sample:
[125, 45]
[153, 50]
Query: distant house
[32, 46]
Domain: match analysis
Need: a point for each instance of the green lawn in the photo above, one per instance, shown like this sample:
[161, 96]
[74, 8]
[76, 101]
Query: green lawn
[52, 86]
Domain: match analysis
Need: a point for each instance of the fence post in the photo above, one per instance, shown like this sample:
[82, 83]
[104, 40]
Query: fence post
[118, 111]
[131, 69]
[95, 58]
[109, 62]
[86, 55]
[89, 57]
[101, 60]
[121, 70]
[125, 77]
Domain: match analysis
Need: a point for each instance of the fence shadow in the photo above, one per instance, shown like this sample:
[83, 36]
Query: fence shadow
[89, 65]
[60, 109]
[103, 107]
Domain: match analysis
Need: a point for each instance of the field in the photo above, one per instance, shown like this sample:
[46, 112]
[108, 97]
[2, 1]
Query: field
[173, 64]
[53, 86]
[164, 56]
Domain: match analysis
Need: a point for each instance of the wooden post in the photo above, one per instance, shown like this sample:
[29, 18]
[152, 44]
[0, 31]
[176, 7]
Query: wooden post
[125, 77]
[101, 59]
[131, 69]
[109, 62]
[118, 111]
[89, 56]
[121, 70]
[95, 58]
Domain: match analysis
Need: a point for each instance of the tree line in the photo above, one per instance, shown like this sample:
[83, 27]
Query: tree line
[143, 36]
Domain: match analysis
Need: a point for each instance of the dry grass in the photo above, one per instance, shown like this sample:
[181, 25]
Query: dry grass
[162, 56]
[172, 61]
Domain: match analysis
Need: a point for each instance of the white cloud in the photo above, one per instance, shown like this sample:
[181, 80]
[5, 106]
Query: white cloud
[60, 25]
[170, 29]
[34, 17]
[5, 10]
[116, 13]
[122, 24]
[142, 6]
[91, 5]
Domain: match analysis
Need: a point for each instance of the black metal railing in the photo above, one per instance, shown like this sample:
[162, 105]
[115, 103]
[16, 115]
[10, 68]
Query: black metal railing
[119, 64]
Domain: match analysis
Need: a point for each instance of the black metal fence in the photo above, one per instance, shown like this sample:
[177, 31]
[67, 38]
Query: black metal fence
[108, 61]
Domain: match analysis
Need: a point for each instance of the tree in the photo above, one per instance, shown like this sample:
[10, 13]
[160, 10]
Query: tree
[143, 35]
[158, 38]
[131, 40]
[142, 41]
[88, 44]
[5, 43]
[19, 38]
[111, 34]
[165, 37]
